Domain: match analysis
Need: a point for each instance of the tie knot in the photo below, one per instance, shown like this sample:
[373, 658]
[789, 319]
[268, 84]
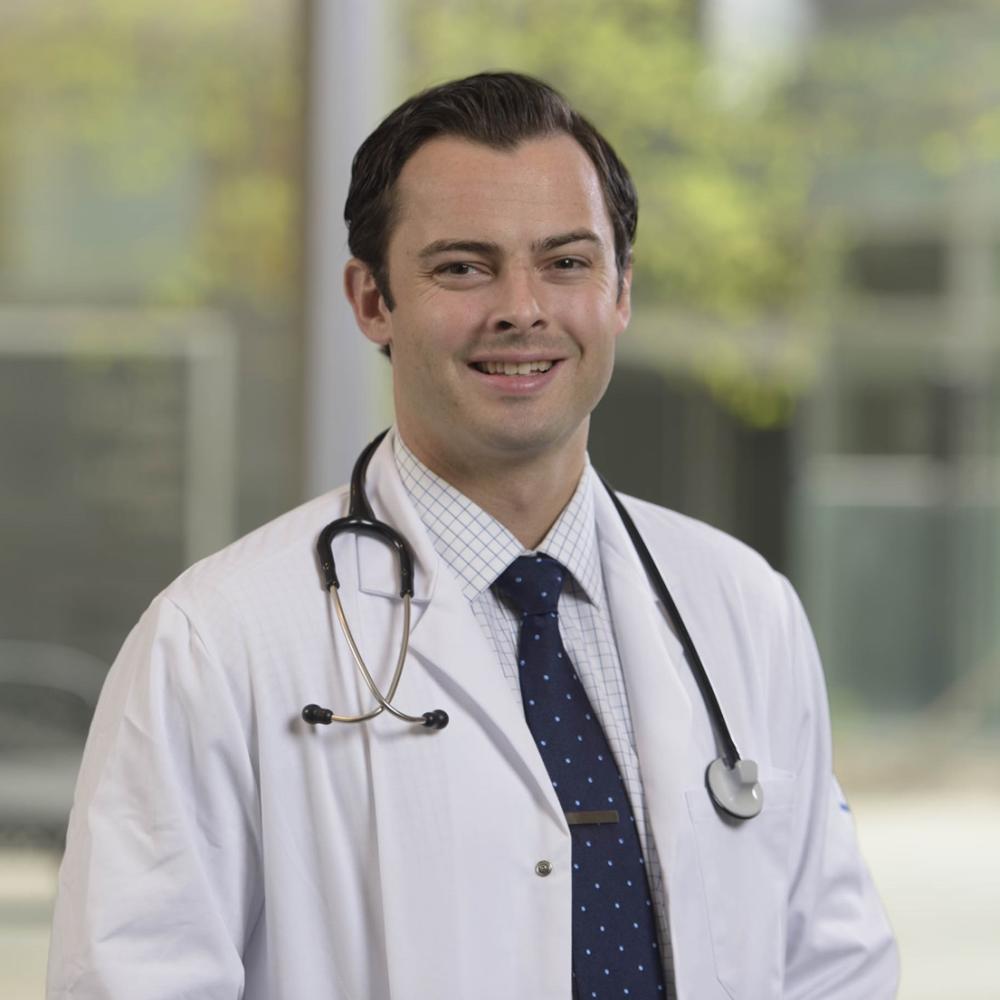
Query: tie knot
[532, 584]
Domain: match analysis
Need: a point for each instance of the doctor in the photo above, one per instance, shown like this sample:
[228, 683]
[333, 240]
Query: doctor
[220, 847]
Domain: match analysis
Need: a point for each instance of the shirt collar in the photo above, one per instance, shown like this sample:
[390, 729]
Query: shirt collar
[478, 548]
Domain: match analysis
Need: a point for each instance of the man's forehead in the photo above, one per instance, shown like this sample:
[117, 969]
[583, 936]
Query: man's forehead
[547, 179]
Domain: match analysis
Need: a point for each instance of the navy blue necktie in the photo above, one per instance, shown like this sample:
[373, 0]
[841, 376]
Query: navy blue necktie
[615, 952]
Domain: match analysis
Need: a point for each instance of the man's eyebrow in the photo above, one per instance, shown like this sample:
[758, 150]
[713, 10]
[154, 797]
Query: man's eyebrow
[491, 249]
[459, 246]
[562, 239]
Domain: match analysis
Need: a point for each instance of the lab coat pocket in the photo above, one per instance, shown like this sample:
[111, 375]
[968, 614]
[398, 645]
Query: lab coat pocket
[745, 873]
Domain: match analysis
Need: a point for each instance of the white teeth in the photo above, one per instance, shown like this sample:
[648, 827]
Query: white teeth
[510, 368]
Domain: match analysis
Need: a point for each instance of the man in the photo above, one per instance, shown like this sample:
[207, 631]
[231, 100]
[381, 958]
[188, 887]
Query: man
[556, 839]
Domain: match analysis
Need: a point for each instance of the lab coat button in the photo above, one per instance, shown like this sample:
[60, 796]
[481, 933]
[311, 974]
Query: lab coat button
[543, 868]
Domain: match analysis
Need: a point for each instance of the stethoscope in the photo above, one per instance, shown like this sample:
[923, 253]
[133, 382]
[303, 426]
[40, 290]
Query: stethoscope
[731, 780]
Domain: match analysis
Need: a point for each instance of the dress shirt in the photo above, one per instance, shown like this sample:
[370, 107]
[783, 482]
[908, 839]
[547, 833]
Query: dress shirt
[477, 548]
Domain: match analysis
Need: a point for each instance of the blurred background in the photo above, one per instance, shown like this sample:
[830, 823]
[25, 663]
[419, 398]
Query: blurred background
[813, 364]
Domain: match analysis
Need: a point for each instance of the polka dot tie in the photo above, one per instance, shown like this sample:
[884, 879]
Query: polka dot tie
[615, 952]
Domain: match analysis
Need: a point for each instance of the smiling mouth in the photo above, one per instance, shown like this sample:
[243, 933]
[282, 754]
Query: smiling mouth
[512, 368]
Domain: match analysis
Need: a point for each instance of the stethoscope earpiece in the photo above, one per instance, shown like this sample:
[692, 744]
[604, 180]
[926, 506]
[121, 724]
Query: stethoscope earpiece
[735, 790]
[315, 715]
[437, 719]
[361, 518]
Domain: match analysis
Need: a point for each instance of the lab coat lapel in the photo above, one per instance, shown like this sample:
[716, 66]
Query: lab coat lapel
[451, 664]
[449, 642]
[651, 659]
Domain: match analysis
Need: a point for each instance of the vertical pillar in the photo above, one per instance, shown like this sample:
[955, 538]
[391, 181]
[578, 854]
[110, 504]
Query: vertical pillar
[345, 378]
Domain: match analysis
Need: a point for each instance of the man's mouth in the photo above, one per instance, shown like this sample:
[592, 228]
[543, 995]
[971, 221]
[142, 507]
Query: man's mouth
[512, 367]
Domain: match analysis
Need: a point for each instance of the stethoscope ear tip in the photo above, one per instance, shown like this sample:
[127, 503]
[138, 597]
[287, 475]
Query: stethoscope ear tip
[314, 715]
[437, 719]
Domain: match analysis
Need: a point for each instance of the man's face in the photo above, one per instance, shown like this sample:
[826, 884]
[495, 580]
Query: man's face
[507, 303]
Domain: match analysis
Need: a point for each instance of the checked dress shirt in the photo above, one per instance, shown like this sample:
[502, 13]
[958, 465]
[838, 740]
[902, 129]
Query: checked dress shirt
[477, 548]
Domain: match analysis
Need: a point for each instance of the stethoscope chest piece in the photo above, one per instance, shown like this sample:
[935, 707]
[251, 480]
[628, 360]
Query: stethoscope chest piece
[735, 790]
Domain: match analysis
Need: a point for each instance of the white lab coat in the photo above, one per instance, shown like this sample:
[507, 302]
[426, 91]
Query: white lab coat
[219, 847]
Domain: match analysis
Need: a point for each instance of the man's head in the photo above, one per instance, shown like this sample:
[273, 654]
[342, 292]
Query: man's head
[503, 224]
[498, 110]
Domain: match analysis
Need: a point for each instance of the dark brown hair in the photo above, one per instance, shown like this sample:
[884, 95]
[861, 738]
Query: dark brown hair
[500, 110]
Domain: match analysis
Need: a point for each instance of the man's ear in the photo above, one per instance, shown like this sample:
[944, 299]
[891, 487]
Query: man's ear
[370, 311]
[624, 304]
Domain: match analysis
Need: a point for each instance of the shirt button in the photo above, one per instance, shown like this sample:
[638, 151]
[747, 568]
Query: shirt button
[543, 868]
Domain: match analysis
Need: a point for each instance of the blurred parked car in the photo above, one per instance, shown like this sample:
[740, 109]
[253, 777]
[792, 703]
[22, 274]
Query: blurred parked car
[48, 693]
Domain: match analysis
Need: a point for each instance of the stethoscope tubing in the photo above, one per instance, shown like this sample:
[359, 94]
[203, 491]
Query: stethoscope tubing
[728, 748]
[384, 702]
[731, 781]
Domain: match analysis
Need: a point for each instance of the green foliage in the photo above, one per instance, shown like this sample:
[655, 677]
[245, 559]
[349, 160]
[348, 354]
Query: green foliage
[743, 204]
[722, 192]
[202, 99]
[723, 223]
[740, 203]
[204, 96]
[922, 88]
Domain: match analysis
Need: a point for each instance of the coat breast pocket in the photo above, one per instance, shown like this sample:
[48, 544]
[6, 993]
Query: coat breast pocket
[744, 867]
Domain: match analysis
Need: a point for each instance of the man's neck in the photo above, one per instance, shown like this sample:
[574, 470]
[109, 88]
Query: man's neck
[526, 495]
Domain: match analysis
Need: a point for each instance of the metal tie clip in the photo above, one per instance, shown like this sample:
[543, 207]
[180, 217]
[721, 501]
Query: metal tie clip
[592, 816]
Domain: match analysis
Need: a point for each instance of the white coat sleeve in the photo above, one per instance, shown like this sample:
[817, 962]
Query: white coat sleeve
[159, 887]
[839, 943]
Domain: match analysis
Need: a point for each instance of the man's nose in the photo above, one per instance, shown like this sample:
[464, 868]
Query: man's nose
[519, 304]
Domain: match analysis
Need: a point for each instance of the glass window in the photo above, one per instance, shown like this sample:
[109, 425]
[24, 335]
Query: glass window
[150, 358]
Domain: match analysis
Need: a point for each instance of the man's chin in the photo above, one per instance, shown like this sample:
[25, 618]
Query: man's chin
[516, 442]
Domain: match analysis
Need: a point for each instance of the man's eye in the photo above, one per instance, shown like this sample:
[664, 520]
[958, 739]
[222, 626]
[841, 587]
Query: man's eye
[458, 270]
[568, 263]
